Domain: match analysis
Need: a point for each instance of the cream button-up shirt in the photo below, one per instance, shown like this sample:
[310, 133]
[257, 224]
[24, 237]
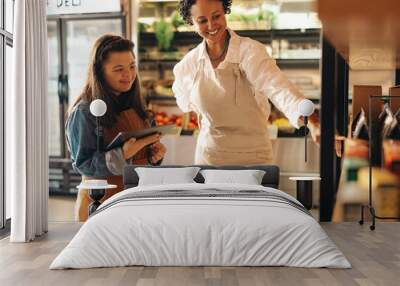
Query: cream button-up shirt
[232, 100]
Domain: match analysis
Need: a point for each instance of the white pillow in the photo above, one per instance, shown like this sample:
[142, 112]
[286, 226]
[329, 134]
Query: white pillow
[248, 177]
[163, 176]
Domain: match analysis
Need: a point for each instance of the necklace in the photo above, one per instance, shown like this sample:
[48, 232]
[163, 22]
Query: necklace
[226, 45]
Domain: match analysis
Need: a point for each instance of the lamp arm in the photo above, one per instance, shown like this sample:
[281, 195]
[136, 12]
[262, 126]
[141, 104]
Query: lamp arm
[305, 137]
[100, 135]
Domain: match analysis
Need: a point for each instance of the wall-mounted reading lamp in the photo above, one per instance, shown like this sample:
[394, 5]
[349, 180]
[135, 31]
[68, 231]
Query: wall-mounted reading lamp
[98, 108]
[305, 108]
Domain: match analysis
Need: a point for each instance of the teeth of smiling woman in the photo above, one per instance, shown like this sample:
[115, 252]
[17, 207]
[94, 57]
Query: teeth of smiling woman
[213, 32]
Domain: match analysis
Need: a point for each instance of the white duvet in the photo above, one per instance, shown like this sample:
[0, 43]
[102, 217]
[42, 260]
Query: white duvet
[205, 231]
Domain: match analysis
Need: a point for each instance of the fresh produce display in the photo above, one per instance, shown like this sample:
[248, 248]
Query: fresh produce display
[162, 118]
[284, 125]
[193, 124]
[162, 90]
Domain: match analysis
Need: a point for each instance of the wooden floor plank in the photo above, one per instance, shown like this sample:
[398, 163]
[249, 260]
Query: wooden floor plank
[374, 255]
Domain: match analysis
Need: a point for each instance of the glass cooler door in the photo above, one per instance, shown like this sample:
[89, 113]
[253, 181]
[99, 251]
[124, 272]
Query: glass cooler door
[70, 39]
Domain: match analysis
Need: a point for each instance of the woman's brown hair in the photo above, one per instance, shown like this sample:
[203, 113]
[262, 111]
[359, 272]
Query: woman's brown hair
[97, 88]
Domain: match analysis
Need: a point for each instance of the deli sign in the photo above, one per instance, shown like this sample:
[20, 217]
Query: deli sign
[65, 7]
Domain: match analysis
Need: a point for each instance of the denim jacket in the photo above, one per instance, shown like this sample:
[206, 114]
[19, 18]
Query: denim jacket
[82, 144]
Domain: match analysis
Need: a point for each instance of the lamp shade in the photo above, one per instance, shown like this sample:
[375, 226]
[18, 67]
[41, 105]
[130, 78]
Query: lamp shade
[306, 107]
[98, 107]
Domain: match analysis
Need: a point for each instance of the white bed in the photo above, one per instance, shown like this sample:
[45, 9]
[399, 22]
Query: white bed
[248, 226]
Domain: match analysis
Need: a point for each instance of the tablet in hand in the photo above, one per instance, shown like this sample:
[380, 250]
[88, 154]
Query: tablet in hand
[122, 137]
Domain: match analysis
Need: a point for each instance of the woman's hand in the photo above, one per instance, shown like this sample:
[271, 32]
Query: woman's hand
[158, 151]
[132, 146]
[315, 130]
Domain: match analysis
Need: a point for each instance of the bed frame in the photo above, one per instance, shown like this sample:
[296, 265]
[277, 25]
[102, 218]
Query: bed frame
[270, 179]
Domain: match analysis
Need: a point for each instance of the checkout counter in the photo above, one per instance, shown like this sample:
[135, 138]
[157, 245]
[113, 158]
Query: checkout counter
[288, 155]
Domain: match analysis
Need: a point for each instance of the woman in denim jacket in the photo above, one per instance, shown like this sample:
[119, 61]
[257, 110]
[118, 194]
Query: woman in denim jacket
[111, 77]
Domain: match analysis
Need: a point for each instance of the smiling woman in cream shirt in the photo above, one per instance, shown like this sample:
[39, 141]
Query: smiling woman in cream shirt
[227, 80]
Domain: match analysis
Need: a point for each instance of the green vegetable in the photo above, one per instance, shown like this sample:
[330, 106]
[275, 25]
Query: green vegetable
[271, 17]
[176, 20]
[164, 34]
[143, 27]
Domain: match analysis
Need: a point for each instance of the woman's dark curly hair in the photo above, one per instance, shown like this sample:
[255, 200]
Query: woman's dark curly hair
[186, 5]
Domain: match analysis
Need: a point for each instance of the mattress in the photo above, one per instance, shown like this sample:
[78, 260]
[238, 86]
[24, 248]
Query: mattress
[201, 225]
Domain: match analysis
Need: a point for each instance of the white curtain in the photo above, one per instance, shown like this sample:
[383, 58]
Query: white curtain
[27, 152]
